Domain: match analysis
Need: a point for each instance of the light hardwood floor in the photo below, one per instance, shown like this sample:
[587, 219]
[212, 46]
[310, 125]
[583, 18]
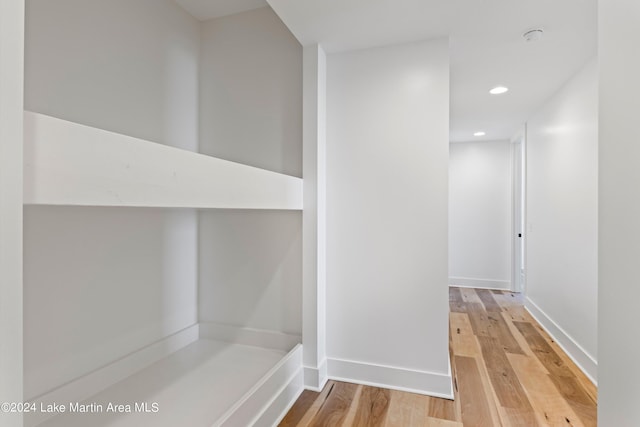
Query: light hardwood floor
[507, 372]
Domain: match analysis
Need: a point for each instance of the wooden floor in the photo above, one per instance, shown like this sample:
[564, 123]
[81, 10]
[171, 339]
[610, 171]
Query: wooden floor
[507, 372]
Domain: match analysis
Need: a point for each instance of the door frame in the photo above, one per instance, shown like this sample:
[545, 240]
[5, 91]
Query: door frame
[518, 210]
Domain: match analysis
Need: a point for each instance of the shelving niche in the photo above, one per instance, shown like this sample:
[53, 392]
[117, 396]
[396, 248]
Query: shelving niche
[207, 374]
[118, 305]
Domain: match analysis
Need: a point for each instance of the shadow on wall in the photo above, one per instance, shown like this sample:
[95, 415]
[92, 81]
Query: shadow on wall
[101, 283]
[250, 269]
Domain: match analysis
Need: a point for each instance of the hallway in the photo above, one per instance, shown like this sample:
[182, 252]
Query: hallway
[507, 372]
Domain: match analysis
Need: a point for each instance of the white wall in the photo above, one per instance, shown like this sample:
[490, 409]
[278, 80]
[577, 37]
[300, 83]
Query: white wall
[251, 91]
[480, 214]
[101, 283]
[619, 203]
[128, 67]
[562, 216]
[251, 268]
[387, 185]
[11, 100]
[250, 111]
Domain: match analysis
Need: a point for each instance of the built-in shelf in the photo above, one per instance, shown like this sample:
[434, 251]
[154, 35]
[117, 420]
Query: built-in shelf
[205, 375]
[67, 163]
[207, 383]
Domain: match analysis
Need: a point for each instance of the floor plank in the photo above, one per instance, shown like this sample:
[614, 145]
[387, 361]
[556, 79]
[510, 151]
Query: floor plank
[460, 323]
[470, 295]
[315, 407]
[522, 342]
[335, 408]
[578, 399]
[543, 394]
[503, 378]
[372, 407]
[489, 303]
[493, 402]
[456, 303]
[303, 404]
[584, 381]
[437, 422]
[353, 409]
[501, 332]
[442, 409]
[561, 375]
[543, 351]
[479, 319]
[406, 410]
[461, 335]
[474, 401]
[513, 417]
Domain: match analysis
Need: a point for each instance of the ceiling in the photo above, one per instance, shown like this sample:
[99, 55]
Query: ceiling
[487, 48]
[204, 10]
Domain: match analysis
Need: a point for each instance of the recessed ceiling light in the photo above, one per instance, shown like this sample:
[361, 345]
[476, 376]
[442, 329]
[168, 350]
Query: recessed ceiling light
[498, 90]
[479, 134]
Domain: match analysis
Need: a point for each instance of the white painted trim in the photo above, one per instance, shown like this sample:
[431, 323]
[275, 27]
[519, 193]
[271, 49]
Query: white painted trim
[314, 72]
[270, 397]
[67, 163]
[472, 282]
[521, 138]
[11, 202]
[391, 377]
[579, 355]
[292, 392]
[102, 378]
[282, 403]
[512, 255]
[249, 336]
[316, 378]
[523, 285]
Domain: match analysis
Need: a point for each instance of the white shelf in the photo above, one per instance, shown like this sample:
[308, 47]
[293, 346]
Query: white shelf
[207, 383]
[66, 163]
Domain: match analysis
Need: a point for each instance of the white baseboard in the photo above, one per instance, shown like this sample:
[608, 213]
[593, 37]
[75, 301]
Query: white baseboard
[249, 336]
[316, 378]
[471, 282]
[581, 358]
[421, 382]
[268, 401]
[96, 381]
[284, 402]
